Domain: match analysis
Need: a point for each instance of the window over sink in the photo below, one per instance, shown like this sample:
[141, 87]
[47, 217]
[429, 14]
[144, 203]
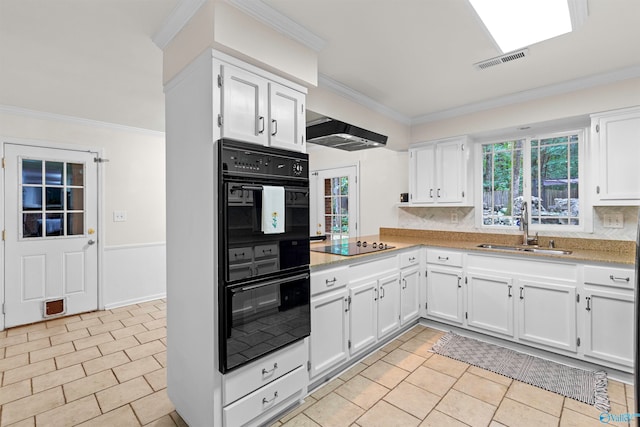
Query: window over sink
[542, 170]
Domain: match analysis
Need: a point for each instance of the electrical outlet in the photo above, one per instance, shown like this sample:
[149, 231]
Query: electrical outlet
[119, 216]
[454, 218]
[614, 220]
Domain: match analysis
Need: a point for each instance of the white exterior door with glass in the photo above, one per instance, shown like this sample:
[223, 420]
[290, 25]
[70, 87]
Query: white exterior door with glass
[51, 256]
[334, 209]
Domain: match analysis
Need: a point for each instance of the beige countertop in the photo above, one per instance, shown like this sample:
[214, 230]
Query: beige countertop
[590, 250]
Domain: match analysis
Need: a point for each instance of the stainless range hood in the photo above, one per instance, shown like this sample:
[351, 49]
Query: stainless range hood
[341, 135]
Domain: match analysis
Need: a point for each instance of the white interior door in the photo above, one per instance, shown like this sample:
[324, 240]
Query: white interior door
[334, 207]
[50, 233]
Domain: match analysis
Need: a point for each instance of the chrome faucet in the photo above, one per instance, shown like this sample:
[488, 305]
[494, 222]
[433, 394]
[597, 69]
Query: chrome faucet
[524, 227]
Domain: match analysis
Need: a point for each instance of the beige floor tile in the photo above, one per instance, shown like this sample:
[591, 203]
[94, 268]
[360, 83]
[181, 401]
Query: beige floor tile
[438, 419]
[512, 413]
[77, 357]
[136, 368]
[118, 345]
[161, 358]
[122, 394]
[69, 336]
[27, 347]
[446, 365]
[404, 360]
[15, 391]
[573, 419]
[362, 391]
[157, 379]
[418, 347]
[352, 371]
[466, 408]
[412, 399]
[385, 374]
[29, 422]
[128, 331]
[105, 362]
[154, 334]
[497, 378]
[327, 388]
[83, 324]
[373, 357]
[31, 405]
[432, 381]
[15, 340]
[496, 424]
[121, 417]
[617, 392]
[429, 335]
[105, 327]
[70, 414]
[28, 371]
[94, 314]
[165, 421]
[115, 316]
[590, 411]
[9, 363]
[62, 321]
[56, 378]
[47, 332]
[392, 345]
[157, 323]
[145, 350]
[19, 330]
[481, 388]
[50, 352]
[88, 385]
[92, 341]
[384, 414]
[300, 420]
[536, 397]
[130, 321]
[334, 410]
[308, 402]
[152, 407]
[178, 419]
[142, 310]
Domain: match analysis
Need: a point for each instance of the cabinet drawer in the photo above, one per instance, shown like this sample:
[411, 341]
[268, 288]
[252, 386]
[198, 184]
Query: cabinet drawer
[374, 267]
[407, 259]
[610, 276]
[436, 256]
[245, 380]
[240, 254]
[266, 251]
[327, 280]
[264, 399]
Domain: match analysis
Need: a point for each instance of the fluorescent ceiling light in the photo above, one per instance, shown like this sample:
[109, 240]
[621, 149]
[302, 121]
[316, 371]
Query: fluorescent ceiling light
[518, 23]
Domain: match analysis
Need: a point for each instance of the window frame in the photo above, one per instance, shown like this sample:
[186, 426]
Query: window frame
[585, 216]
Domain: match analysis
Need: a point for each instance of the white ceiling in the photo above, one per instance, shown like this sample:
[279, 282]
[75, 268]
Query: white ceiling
[411, 58]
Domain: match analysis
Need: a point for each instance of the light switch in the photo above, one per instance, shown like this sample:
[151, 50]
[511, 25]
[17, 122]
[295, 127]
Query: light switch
[119, 216]
[614, 220]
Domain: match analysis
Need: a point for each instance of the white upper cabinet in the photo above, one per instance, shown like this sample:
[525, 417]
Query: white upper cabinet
[258, 110]
[439, 173]
[615, 153]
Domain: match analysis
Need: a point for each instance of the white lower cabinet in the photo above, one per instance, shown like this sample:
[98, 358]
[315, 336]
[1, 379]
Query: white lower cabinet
[329, 331]
[388, 305]
[490, 303]
[409, 294]
[363, 314]
[547, 313]
[444, 294]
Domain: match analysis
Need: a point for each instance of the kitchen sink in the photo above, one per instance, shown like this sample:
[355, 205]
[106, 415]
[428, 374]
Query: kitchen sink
[538, 250]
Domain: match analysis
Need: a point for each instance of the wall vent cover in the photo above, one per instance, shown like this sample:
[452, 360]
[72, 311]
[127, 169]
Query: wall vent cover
[507, 57]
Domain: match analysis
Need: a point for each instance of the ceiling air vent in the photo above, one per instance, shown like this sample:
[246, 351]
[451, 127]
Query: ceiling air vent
[507, 57]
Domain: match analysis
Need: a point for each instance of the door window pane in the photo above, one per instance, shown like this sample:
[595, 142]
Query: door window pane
[54, 225]
[336, 207]
[75, 174]
[32, 225]
[32, 171]
[31, 198]
[54, 199]
[75, 199]
[75, 224]
[54, 173]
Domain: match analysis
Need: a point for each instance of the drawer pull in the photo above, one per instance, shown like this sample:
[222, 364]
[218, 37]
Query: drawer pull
[267, 251]
[443, 258]
[331, 282]
[266, 401]
[270, 371]
[412, 259]
[619, 279]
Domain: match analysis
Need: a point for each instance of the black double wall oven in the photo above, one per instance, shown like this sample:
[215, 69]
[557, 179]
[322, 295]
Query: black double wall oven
[264, 286]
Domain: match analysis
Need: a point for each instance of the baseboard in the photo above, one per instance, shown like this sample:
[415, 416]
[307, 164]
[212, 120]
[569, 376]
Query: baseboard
[135, 301]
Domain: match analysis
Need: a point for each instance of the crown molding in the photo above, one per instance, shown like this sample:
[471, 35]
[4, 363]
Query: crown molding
[175, 21]
[359, 98]
[19, 111]
[279, 22]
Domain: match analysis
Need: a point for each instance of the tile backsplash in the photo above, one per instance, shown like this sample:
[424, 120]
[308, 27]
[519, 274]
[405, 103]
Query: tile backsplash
[440, 219]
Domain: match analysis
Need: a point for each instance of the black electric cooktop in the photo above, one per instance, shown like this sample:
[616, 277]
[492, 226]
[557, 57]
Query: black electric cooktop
[350, 249]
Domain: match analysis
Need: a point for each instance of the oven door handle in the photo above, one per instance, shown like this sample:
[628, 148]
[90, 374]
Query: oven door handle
[271, 282]
[260, 188]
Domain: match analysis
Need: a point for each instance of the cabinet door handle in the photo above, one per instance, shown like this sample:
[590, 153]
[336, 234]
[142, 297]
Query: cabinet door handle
[261, 120]
[431, 193]
[265, 400]
[459, 279]
[331, 282]
[404, 281]
[619, 279]
[509, 294]
[275, 127]
[588, 303]
[381, 293]
[269, 371]
[438, 193]
[521, 292]
[376, 297]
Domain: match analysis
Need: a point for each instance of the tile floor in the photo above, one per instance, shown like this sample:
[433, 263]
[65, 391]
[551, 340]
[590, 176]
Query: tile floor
[108, 368]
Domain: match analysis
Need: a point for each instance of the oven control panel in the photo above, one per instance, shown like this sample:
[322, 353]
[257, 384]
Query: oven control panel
[245, 159]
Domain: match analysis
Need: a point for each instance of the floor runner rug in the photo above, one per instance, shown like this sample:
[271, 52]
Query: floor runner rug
[585, 386]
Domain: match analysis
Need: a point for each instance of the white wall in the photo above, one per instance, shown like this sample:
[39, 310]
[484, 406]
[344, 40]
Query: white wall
[134, 181]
